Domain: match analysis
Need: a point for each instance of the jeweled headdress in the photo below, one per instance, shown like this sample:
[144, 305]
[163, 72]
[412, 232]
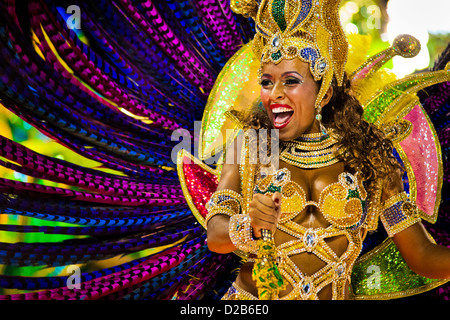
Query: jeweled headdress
[307, 29]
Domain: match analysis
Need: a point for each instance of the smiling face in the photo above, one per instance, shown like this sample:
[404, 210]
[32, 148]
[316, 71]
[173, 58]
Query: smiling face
[288, 93]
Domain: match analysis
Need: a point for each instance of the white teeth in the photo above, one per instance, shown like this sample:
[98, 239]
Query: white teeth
[281, 109]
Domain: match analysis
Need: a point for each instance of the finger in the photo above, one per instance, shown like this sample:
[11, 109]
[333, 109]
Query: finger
[256, 233]
[258, 225]
[262, 219]
[265, 200]
[276, 198]
[262, 209]
[266, 219]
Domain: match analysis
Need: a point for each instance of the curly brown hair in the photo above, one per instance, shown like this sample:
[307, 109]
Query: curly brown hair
[367, 149]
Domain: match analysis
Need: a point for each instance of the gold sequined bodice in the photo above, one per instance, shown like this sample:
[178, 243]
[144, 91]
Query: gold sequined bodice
[343, 204]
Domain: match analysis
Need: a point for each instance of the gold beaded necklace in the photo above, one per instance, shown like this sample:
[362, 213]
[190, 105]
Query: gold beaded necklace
[311, 151]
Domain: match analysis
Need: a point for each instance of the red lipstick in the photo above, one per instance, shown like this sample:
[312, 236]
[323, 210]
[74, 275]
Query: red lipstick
[282, 115]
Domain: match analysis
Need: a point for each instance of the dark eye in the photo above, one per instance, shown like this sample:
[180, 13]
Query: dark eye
[292, 81]
[265, 82]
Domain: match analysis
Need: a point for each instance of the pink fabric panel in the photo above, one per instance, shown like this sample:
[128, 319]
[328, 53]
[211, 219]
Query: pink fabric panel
[421, 151]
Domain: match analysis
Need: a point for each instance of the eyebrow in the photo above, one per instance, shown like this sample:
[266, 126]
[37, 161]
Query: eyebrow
[284, 73]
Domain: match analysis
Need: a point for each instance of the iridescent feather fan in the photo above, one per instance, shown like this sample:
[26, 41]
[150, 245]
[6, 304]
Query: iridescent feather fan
[109, 96]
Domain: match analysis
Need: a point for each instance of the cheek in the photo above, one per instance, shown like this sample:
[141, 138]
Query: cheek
[265, 101]
[303, 100]
[265, 97]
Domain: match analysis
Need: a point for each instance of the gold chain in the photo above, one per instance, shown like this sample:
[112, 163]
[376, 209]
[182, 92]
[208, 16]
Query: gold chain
[311, 151]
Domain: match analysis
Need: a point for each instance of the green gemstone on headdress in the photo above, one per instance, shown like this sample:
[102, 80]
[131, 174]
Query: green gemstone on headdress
[278, 13]
[276, 56]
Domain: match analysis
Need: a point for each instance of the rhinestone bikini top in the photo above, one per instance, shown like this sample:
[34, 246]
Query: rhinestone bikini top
[343, 203]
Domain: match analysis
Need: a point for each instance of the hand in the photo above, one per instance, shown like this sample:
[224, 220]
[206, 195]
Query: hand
[264, 212]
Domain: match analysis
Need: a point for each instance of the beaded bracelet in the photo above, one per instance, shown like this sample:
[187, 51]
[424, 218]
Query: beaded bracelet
[226, 201]
[241, 233]
[398, 214]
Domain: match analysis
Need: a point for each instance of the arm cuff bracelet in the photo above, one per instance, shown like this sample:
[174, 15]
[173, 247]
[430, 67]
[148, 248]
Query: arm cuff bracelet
[227, 202]
[241, 233]
[398, 214]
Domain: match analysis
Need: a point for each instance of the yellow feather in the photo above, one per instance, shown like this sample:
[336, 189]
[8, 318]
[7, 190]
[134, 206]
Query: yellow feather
[359, 46]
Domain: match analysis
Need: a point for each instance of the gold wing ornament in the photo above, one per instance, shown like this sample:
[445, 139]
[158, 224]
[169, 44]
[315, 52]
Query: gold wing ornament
[236, 88]
[390, 103]
[393, 105]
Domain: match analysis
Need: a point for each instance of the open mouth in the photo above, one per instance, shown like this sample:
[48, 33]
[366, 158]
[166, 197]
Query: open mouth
[282, 114]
